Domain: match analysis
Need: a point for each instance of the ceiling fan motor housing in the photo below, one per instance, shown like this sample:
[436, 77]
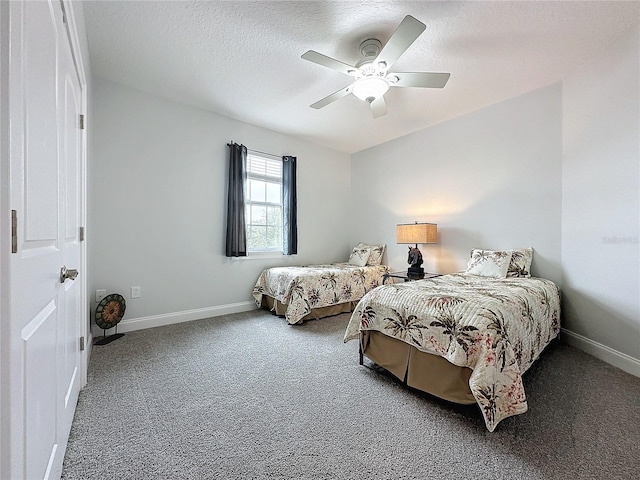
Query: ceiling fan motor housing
[370, 48]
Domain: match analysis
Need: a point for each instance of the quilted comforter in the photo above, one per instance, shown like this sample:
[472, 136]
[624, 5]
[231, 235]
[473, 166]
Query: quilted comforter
[496, 327]
[315, 286]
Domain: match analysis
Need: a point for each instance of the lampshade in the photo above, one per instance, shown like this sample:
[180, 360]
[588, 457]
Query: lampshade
[417, 233]
[370, 88]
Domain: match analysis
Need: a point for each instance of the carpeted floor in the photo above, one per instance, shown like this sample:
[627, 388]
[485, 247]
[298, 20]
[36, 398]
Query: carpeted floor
[247, 396]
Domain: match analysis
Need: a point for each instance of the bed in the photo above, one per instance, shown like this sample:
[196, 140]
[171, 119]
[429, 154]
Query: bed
[316, 291]
[465, 337]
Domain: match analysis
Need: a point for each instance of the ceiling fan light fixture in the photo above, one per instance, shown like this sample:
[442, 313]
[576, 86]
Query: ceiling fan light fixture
[370, 88]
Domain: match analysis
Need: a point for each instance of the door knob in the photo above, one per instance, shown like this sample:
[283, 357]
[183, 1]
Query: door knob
[69, 273]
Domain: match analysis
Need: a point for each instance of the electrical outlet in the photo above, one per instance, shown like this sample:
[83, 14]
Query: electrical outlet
[100, 294]
[135, 292]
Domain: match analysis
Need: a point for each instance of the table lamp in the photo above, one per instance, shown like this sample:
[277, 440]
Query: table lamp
[415, 233]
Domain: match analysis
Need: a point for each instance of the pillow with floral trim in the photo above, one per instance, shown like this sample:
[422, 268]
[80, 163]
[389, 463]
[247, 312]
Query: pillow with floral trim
[375, 257]
[489, 263]
[520, 265]
[359, 256]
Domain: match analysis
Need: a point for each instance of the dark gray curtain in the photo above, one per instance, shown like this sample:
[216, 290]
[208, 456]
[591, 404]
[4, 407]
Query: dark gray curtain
[290, 205]
[236, 224]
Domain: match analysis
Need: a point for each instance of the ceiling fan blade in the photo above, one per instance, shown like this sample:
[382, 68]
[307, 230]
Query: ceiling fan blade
[419, 79]
[329, 62]
[406, 33]
[332, 98]
[378, 107]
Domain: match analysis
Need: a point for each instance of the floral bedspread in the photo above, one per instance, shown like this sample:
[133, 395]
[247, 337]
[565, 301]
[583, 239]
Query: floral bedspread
[496, 327]
[315, 286]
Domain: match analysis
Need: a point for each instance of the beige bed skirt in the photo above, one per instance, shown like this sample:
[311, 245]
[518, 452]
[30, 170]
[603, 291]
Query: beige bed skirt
[423, 371]
[279, 308]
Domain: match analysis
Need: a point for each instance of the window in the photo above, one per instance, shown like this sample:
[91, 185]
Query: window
[264, 204]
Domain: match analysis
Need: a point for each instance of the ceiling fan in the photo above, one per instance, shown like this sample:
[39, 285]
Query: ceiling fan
[372, 76]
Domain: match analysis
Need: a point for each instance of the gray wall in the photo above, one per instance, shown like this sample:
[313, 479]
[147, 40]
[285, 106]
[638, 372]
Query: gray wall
[601, 201]
[490, 179]
[157, 179]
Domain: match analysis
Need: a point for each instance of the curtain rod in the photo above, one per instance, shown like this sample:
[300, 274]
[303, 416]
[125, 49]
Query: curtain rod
[258, 151]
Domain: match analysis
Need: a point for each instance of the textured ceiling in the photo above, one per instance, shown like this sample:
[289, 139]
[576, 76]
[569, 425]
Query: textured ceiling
[242, 58]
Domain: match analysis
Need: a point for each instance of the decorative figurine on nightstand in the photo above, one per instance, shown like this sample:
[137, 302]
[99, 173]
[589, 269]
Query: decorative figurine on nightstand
[415, 260]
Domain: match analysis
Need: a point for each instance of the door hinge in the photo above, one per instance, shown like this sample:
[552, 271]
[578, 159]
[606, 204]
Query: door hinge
[81, 121]
[64, 13]
[81, 235]
[14, 231]
[81, 344]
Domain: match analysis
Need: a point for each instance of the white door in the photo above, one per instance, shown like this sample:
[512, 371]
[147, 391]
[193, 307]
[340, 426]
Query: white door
[70, 330]
[45, 194]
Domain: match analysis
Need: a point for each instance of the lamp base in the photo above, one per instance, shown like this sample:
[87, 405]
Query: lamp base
[415, 272]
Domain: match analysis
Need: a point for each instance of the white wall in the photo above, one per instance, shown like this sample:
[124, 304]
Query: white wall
[490, 179]
[157, 179]
[601, 201]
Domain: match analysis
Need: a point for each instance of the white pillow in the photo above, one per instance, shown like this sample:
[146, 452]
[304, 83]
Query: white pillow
[359, 256]
[489, 263]
[375, 257]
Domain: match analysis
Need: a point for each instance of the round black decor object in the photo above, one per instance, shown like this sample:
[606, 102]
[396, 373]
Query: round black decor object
[110, 311]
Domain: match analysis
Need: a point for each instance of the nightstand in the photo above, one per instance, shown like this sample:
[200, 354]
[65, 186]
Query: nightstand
[408, 278]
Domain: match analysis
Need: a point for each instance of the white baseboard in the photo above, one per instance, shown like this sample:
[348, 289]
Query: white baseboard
[617, 359]
[131, 324]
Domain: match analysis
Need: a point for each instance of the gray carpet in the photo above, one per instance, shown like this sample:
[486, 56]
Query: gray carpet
[248, 396]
